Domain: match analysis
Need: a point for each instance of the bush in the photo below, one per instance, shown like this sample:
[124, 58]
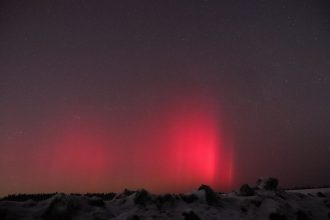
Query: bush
[211, 197]
[188, 198]
[141, 197]
[269, 183]
[62, 207]
[164, 199]
[246, 190]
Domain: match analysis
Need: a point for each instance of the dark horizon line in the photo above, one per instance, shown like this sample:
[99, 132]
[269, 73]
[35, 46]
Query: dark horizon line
[2, 197]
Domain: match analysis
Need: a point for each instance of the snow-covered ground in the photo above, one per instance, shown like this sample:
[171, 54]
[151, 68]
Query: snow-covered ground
[260, 202]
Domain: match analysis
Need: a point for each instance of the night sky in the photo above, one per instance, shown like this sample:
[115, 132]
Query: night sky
[96, 96]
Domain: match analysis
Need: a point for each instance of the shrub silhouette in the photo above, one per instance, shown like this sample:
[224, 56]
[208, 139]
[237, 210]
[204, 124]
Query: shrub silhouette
[25, 197]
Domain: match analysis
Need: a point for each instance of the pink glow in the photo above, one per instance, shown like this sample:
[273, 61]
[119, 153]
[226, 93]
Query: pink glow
[81, 157]
[173, 148]
[193, 143]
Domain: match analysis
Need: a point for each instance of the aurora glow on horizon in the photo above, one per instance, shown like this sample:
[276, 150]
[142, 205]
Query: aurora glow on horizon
[175, 148]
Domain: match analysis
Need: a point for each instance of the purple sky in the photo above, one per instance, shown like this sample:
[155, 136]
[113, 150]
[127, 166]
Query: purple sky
[127, 92]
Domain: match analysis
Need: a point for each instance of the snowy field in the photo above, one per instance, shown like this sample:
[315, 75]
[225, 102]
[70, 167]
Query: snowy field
[263, 201]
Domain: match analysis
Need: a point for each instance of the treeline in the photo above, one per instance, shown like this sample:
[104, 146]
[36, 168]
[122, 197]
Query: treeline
[103, 196]
[44, 196]
[25, 197]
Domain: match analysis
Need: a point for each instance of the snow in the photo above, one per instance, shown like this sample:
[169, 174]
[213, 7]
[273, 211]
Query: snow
[264, 204]
[312, 191]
